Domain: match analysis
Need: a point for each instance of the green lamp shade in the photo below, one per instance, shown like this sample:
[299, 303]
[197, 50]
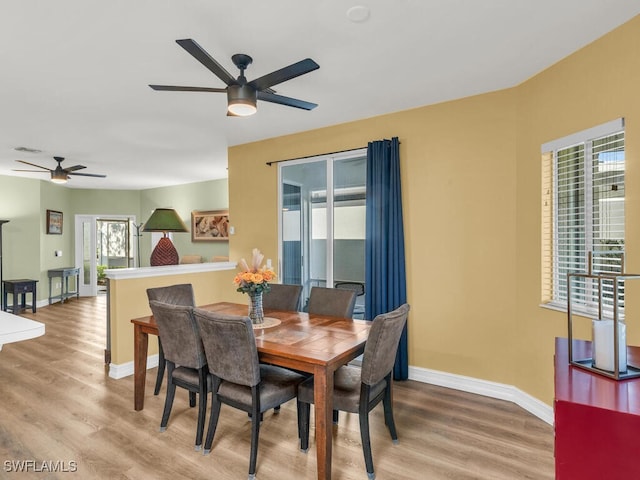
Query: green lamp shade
[164, 220]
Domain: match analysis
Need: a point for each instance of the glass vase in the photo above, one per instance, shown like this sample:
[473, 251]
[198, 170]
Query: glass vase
[256, 313]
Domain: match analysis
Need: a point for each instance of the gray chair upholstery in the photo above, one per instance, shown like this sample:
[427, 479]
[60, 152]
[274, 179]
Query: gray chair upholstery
[181, 294]
[359, 390]
[237, 377]
[358, 287]
[185, 359]
[331, 301]
[282, 297]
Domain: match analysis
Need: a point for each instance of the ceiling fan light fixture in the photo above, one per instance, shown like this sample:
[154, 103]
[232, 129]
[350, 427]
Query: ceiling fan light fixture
[241, 100]
[59, 177]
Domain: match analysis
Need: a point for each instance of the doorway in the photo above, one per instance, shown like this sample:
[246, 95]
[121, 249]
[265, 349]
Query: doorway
[102, 242]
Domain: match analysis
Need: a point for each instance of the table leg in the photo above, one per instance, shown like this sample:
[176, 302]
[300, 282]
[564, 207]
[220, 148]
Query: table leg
[140, 349]
[323, 405]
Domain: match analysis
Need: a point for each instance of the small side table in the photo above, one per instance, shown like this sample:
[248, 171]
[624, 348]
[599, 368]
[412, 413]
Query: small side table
[19, 289]
[64, 274]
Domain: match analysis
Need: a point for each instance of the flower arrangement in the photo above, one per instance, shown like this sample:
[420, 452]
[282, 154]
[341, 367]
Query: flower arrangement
[254, 279]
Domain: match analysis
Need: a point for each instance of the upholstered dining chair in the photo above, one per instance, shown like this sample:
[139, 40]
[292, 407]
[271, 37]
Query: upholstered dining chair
[360, 389]
[180, 294]
[358, 287]
[185, 359]
[237, 377]
[331, 301]
[282, 297]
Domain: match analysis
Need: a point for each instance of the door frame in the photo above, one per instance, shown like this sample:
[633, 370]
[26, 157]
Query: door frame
[329, 159]
[91, 289]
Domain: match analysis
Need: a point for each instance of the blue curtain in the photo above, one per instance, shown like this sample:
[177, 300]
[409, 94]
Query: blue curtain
[385, 275]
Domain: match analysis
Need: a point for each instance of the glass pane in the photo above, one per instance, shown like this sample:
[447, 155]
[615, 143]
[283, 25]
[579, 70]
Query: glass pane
[349, 179]
[304, 225]
[86, 253]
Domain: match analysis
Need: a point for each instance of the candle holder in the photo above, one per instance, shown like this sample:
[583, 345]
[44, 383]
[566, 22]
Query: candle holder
[608, 330]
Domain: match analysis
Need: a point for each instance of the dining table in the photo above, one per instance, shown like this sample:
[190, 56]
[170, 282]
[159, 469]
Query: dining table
[316, 344]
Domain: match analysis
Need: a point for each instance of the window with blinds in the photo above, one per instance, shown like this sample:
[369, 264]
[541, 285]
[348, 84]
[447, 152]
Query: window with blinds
[583, 213]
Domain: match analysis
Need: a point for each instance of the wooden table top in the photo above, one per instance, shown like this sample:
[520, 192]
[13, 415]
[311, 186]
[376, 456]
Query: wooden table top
[311, 339]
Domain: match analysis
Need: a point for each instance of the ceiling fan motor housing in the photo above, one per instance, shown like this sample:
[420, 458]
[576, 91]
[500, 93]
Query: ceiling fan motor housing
[241, 99]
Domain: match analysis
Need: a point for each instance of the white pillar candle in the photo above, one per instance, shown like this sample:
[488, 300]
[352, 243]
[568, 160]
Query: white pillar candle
[603, 346]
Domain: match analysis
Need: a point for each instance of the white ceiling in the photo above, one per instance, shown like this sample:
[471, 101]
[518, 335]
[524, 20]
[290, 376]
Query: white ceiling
[74, 73]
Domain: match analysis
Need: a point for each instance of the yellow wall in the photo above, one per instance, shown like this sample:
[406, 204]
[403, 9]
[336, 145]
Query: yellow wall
[595, 85]
[471, 193]
[457, 163]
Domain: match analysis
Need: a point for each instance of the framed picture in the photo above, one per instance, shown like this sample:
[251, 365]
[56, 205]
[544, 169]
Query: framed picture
[54, 222]
[209, 226]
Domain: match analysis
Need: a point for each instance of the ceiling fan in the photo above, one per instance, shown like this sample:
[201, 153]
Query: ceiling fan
[242, 95]
[59, 174]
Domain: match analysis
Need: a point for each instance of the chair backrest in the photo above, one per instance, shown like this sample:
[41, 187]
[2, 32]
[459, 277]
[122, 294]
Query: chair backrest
[230, 347]
[382, 344]
[179, 334]
[331, 301]
[181, 294]
[357, 287]
[282, 297]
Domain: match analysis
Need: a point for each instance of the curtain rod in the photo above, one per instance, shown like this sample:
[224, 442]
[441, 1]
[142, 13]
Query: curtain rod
[317, 155]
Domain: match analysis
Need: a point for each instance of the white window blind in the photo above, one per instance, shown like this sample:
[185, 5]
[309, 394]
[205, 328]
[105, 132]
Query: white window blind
[587, 200]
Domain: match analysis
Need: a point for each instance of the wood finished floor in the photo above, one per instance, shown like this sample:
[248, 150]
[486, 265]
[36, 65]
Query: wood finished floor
[59, 405]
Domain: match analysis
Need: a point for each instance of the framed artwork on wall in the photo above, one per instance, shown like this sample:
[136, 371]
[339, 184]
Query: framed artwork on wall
[54, 222]
[209, 225]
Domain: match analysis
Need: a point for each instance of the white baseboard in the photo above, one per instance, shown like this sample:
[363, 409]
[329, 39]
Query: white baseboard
[125, 369]
[434, 377]
[483, 387]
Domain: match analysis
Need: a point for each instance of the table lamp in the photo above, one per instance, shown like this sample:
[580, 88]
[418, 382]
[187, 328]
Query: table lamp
[164, 220]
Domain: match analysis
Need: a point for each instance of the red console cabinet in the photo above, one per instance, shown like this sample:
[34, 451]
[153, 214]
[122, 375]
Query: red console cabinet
[597, 419]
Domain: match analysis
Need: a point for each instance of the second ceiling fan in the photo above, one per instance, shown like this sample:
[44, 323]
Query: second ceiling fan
[242, 96]
[59, 174]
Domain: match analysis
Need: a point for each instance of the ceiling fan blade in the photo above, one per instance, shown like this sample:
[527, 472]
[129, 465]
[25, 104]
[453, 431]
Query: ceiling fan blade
[34, 165]
[32, 171]
[205, 59]
[87, 174]
[171, 88]
[287, 73]
[288, 101]
[74, 168]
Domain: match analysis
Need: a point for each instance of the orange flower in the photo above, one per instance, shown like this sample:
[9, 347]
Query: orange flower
[254, 278]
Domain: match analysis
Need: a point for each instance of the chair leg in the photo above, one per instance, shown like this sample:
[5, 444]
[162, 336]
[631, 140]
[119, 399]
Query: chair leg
[366, 443]
[213, 419]
[202, 406]
[168, 402]
[255, 431]
[387, 404]
[336, 414]
[304, 412]
[192, 399]
[363, 416]
[161, 363]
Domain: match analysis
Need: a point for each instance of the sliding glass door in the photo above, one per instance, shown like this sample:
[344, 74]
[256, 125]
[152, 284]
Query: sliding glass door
[322, 222]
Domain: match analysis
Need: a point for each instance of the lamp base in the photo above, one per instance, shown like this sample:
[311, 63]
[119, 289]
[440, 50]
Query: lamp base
[164, 253]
